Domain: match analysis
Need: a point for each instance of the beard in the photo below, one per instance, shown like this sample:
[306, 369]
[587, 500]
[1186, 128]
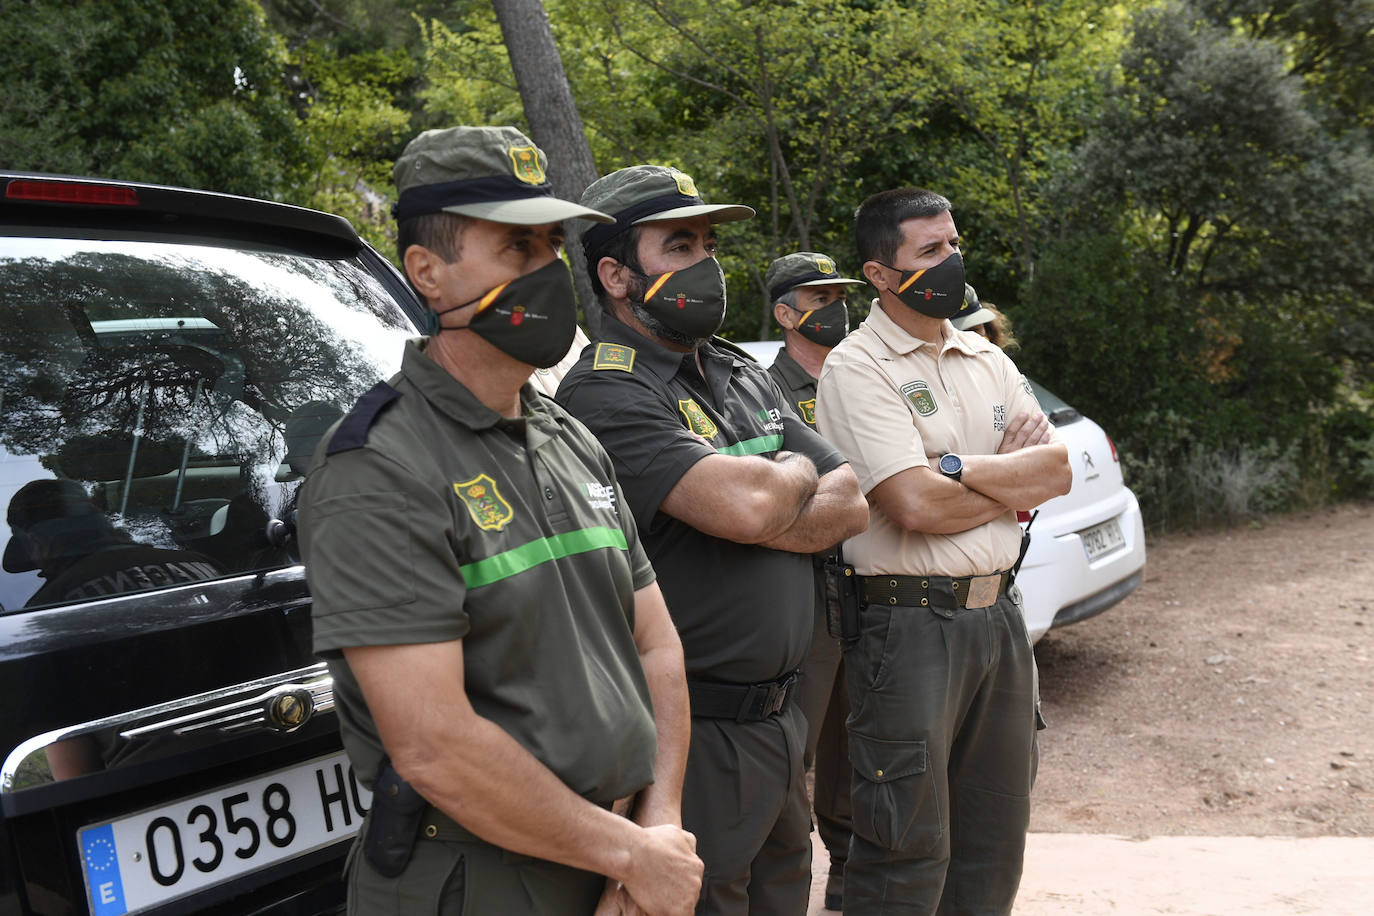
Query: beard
[653, 325]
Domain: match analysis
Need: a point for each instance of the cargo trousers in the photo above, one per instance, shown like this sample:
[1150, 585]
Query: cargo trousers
[942, 741]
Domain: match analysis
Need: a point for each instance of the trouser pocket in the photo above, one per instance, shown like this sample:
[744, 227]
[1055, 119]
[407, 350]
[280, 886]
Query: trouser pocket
[434, 882]
[895, 802]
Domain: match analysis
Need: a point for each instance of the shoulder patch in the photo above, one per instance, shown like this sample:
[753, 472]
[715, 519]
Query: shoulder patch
[352, 430]
[697, 420]
[614, 356]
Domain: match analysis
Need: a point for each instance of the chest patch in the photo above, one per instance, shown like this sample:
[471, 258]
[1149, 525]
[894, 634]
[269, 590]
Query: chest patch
[918, 393]
[614, 356]
[808, 411]
[697, 420]
[487, 506]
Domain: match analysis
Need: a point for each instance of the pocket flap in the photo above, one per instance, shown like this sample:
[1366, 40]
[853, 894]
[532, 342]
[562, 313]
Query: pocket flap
[881, 760]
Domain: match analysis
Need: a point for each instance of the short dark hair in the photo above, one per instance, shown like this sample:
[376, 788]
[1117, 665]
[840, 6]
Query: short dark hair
[623, 249]
[441, 233]
[878, 221]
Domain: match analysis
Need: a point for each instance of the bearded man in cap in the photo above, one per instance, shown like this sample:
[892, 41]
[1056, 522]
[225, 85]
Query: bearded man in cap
[732, 493]
[508, 680]
[808, 296]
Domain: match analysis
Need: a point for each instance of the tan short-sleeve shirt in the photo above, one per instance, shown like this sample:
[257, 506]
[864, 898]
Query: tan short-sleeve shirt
[889, 401]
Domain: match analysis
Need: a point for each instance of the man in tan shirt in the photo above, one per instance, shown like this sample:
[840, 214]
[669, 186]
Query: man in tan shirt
[947, 442]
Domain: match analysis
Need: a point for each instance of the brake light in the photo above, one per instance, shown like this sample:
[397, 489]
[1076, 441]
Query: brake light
[1115, 456]
[71, 192]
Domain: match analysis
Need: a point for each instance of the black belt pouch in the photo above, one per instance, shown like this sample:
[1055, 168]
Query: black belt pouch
[841, 600]
[393, 823]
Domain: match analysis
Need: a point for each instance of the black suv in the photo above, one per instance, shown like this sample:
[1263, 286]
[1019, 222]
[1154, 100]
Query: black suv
[170, 360]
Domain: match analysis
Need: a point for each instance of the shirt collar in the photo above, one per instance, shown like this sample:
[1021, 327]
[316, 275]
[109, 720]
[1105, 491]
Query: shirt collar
[791, 370]
[453, 399]
[893, 336]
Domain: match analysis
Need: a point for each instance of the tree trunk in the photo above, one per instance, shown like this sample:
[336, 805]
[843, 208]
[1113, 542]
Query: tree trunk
[554, 123]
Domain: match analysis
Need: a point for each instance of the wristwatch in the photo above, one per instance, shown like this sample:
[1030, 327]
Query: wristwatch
[952, 466]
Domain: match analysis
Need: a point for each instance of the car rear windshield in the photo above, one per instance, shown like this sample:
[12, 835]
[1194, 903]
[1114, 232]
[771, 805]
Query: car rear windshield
[160, 401]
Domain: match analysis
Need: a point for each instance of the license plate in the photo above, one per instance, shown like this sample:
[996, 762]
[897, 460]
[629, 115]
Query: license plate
[144, 860]
[1102, 539]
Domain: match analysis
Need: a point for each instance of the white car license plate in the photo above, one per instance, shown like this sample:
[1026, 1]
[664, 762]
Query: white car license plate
[146, 859]
[1102, 539]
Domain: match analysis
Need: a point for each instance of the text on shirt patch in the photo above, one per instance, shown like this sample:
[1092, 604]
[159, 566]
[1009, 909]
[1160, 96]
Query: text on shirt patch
[485, 503]
[697, 420]
[600, 496]
[999, 417]
[918, 393]
[771, 418]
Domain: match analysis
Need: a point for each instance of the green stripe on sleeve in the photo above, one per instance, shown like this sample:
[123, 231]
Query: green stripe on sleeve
[753, 446]
[527, 556]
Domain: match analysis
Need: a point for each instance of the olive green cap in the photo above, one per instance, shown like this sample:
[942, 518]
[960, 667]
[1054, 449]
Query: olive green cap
[493, 173]
[971, 313]
[801, 268]
[649, 194]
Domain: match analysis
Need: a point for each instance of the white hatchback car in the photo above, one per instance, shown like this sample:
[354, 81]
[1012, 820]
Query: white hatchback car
[1087, 549]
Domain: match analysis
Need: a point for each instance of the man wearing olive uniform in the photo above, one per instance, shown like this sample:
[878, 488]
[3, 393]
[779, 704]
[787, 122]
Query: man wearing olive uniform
[948, 442]
[490, 620]
[731, 493]
[808, 297]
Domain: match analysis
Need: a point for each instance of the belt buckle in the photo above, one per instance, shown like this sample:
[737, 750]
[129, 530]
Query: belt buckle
[982, 590]
[777, 695]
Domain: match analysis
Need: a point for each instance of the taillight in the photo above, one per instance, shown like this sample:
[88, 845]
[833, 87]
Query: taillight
[1115, 456]
[71, 192]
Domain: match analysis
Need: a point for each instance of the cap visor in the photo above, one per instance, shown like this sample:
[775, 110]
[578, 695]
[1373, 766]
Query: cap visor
[719, 213]
[529, 211]
[829, 282]
[973, 319]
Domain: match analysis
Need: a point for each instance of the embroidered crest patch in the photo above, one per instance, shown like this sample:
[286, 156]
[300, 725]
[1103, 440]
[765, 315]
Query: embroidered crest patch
[488, 507]
[697, 420]
[525, 160]
[614, 356]
[685, 184]
[808, 411]
[825, 265]
[918, 393]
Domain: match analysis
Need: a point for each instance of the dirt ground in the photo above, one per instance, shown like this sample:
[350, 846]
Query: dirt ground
[1232, 694]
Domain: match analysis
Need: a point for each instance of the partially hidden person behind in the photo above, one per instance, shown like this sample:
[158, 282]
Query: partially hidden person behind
[808, 296]
[732, 494]
[948, 443]
[986, 320]
[508, 680]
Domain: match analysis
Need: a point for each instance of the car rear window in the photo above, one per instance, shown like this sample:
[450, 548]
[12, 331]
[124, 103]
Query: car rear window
[160, 400]
[1056, 408]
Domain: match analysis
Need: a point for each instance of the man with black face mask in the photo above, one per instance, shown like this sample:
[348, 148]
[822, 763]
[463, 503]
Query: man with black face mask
[732, 493]
[808, 296]
[948, 443]
[509, 682]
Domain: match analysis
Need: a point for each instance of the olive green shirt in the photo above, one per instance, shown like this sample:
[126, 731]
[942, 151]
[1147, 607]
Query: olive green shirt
[428, 517]
[797, 384]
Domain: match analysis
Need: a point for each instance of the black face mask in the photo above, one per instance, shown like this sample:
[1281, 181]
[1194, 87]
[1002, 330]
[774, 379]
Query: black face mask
[691, 301]
[826, 325]
[531, 318]
[937, 292]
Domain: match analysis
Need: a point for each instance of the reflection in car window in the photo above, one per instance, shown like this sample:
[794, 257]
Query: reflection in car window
[159, 403]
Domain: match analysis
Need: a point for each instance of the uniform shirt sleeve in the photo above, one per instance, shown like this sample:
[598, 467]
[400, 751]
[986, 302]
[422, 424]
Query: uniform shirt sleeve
[650, 449]
[798, 437]
[1018, 394]
[379, 556]
[862, 415]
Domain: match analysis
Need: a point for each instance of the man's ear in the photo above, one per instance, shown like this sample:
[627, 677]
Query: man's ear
[873, 273]
[780, 311]
[614, 277]
[423, 267]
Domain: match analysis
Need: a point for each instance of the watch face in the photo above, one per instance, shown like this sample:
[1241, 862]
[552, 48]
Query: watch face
[951, 464]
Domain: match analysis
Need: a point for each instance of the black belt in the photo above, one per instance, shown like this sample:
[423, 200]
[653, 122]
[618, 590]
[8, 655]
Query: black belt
[937, 591]
[741, 702]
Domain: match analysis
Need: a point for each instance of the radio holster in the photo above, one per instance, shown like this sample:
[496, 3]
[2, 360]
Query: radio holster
[841, 598]
[393, 824]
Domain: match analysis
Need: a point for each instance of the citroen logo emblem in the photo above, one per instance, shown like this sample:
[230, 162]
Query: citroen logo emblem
[1087, 461]
[290, 711]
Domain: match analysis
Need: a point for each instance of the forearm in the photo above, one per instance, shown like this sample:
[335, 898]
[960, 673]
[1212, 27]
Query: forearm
[836, 511]
[919, 499]
[661, 801]
[1022, 479]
